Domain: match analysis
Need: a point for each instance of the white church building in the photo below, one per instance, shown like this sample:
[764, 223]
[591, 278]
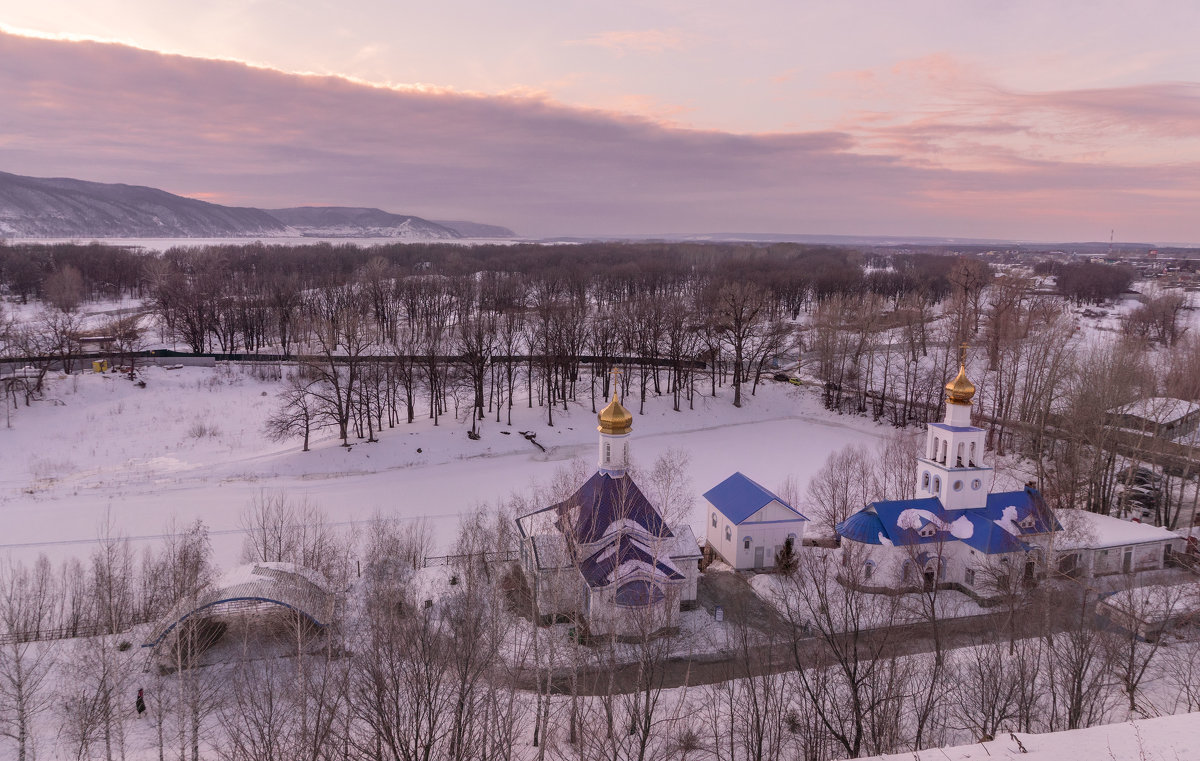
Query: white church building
[605, 557]
[957, 532]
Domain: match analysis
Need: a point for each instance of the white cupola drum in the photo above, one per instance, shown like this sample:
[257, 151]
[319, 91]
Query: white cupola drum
[616, 423]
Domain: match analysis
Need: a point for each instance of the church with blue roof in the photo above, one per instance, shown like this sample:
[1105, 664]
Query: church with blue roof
[955, 526]
[605, 556]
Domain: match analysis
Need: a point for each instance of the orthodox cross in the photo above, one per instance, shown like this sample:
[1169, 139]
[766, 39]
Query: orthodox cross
[615, 372]
[962, 353]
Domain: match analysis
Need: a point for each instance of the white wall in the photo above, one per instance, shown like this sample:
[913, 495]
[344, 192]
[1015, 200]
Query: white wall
[768, 528]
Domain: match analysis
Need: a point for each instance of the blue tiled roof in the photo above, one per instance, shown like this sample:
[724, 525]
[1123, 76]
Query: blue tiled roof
[739, 497]
[602, 501]
[879, 521]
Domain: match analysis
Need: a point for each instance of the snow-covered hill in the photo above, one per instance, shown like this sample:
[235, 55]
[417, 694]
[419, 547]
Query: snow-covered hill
[60, 207]
[36, 207]
[351, 222]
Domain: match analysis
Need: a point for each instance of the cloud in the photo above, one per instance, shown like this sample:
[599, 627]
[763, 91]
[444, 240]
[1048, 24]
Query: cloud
[255, 136]
[636, 41]
[950, 112]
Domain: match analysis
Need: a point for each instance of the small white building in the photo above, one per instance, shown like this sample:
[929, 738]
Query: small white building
[748, 524]
[1092, 545]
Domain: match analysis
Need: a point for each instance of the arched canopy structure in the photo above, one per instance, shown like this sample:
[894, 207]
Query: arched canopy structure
[285, 584]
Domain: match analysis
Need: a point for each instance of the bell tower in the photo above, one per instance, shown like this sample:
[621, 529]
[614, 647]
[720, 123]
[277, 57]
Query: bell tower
[951, 467]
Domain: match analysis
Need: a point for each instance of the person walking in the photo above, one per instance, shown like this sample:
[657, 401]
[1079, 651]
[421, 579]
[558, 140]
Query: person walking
[140, 704]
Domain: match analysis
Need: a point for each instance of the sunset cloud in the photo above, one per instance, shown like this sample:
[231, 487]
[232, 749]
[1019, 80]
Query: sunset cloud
[636, 41]
[256, 136]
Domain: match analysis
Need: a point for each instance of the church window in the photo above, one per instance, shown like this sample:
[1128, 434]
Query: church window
[970, 577]
[937, 484]
[935, 449]
[959, 459]
[868, 569]
[1027, 521]
[925, 481]
[746, 544]
[607, 452]
[714, 519]
[976, 484]
[728, 534]
[928, 530]
[958, 486]
[945, 445]
[971, 461]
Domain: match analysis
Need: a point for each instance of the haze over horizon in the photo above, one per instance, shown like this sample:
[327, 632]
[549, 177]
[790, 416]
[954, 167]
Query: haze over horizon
[1021, 121]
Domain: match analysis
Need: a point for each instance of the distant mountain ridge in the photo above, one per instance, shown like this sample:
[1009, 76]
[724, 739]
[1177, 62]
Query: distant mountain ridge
[36, 207]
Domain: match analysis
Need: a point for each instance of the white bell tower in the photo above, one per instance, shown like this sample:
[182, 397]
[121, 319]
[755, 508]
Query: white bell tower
[951, 467]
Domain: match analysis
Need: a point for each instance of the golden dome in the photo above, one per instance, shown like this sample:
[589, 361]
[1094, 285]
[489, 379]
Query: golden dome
[614, 418]
[961, 389]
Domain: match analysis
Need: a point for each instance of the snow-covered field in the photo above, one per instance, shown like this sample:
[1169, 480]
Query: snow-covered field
[1167, 738]
[191, 445]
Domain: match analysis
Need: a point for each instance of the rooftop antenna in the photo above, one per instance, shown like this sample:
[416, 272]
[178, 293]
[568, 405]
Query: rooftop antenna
[1110, 241]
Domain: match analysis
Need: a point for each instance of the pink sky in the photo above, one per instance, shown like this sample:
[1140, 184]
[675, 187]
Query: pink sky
[1017, 120]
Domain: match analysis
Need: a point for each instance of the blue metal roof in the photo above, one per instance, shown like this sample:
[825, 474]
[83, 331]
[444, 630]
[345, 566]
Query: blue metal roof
[602, 501]
[599, 571]
[991, 529]
[864, 526]
[738, 497]
[954, 428]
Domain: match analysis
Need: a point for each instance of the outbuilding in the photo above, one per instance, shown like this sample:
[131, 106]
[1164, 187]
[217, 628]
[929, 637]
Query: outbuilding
[748, 524]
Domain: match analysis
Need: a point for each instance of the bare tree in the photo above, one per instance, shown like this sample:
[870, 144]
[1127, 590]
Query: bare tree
[25, 598]
[299, 412]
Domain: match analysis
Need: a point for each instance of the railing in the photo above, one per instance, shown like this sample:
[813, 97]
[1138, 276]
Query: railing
[496, 556]
[63, 632]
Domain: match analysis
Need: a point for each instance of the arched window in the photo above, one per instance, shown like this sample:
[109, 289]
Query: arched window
[728, 534]
[934, 455]
[937, 484]
[868, 569]
[925, 480]
[714, 520]
[746, 543]
[962, 448]
[607, 453]
[945, 446]
[971, 460]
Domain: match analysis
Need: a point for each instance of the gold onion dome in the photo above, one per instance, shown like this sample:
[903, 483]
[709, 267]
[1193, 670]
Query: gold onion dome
[615, 419]
[961, 389]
